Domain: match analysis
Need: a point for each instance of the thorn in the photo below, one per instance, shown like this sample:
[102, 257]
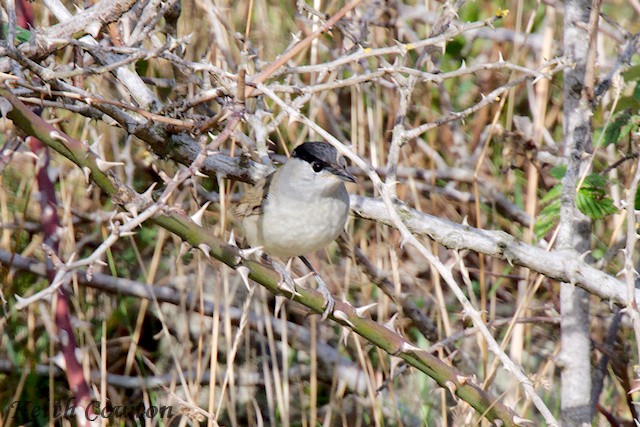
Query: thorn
[232, 239]
[133, 208]
[407, 347]
[21, 301]
[452, 388]
[391, 323]
[341, 315]
[360, 311]
[170, 41]
[5, 107]
[537, 79]
[101, 262]
[197, 217]
[104, 165]
[149, 191]
[287, 287]
[462, 379]
[200, 174]
[87, 173]
[582, 257]
[463, 66]
[344, 301]
[344, 334]
[96, 147]
[293, 118]
[245, 253]
[519, 421]
[279, 303]
[126, 233]
[30, 154]
[300, 280]
[184, 248]
[395, 362]
[465, 220]
[93, 28]
[205, 249]
[54, 134]
[244, 273]
[127, 216]
[500, 58]
[59, 361]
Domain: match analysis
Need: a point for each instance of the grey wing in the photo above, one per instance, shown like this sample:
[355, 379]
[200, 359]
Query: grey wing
[254, 199]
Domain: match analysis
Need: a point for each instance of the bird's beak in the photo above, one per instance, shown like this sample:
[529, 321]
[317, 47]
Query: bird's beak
[343, 174]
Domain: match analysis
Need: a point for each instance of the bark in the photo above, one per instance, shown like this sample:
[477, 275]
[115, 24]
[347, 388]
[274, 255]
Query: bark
[575, 228]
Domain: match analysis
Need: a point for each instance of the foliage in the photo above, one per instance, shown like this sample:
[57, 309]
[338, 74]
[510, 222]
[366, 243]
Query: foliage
[591, 200]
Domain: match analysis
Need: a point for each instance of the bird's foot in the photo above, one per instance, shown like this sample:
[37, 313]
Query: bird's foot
[328, 298]
[286, 282]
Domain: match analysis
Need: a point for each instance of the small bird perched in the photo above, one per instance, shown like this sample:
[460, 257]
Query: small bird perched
[300, 208]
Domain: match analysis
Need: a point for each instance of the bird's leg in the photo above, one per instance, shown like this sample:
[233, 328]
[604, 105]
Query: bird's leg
[286, 282]
[322, 287]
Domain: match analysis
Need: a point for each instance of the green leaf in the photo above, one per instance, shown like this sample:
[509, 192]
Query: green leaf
[594, 180]
[633, 73]
[594, 208]
[558, 171]
[22, 35]
[613, 133]
[554, 193]
[547, 218]
[626, 102]
[636, 91]
[550, 214]
[592, 198]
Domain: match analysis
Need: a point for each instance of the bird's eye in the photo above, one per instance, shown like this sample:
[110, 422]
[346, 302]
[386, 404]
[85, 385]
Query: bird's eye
[317, 167]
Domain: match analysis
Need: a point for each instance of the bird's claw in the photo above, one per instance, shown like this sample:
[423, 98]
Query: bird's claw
[328, 298]
[286, 282]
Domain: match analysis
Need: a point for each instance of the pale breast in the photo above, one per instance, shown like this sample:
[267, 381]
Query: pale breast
[292, 227]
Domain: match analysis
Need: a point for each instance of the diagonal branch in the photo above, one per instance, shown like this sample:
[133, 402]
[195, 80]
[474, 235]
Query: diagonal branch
[345, 314]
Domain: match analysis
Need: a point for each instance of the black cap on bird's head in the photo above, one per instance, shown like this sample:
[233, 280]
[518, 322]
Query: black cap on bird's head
[323, 156]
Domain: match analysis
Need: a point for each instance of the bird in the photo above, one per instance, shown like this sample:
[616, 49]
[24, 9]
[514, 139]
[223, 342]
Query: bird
[300, 208]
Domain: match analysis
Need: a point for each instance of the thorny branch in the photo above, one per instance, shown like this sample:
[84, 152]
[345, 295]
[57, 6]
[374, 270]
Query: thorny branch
[344, 313]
